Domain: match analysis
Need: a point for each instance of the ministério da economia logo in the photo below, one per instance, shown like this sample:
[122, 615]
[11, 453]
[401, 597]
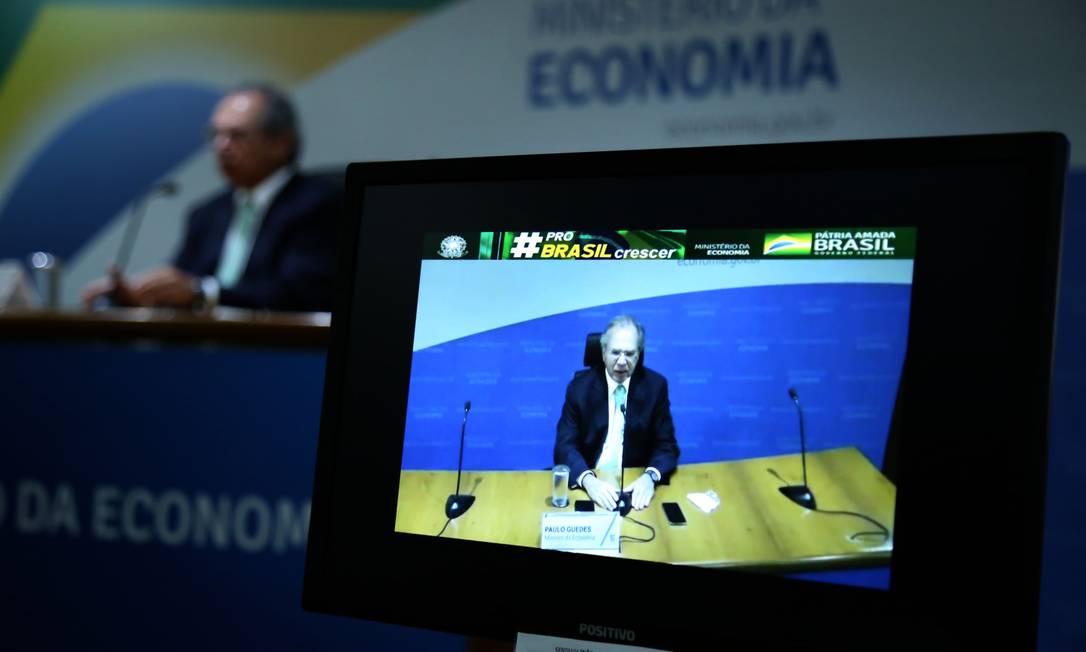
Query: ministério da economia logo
[787, 244]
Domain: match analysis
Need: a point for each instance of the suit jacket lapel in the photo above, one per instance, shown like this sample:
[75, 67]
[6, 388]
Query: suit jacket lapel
[598, 396]
[265, 237]
[212, 234]
[634, 403]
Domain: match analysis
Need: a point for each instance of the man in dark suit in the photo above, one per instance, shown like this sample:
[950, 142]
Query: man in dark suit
[615, 417]
[267, 241]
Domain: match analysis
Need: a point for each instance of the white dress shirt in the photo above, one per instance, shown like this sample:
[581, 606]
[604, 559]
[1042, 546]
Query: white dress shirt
[616, 437]
[261, 197]
[609, 466]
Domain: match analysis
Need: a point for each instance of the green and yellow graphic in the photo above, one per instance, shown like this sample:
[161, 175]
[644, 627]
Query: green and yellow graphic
[787, 244]
[717, 245]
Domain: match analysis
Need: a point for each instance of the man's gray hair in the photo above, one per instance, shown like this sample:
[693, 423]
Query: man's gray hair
[623, 321]
[279, 118]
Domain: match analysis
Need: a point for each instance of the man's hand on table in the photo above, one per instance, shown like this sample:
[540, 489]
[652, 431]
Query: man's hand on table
[164, 286]
[643, 489]
[600, 492]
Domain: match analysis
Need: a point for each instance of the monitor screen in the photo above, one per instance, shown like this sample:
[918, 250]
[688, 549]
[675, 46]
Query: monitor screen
[747, 335]
[577, 394]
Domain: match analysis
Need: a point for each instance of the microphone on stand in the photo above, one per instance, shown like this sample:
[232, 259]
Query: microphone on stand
[165, 188]
[625, 498]
[459, 503]
[800, 494]
[139, 207]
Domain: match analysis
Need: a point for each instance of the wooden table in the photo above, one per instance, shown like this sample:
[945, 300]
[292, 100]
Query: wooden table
[222, 325]
[755, 525]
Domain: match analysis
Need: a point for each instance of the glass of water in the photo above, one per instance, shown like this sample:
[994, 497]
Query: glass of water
[560, 492]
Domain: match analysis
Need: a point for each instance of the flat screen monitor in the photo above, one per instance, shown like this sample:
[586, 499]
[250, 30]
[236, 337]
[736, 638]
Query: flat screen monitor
[781, 395]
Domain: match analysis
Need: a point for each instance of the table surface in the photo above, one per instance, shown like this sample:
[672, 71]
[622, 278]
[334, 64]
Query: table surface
[754, 526]
[221, 325]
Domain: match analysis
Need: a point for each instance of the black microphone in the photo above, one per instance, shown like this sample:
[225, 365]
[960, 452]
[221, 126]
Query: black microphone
[625, 498]
[165, 188]
[459, 503]
[800, 494]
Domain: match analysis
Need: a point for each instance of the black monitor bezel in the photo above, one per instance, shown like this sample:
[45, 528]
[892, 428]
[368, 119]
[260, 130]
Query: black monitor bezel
[467, 587]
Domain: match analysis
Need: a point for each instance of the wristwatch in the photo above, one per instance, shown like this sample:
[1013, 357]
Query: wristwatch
[655, 477]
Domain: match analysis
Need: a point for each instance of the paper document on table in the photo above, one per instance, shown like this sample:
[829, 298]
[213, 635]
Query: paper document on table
[706, 502]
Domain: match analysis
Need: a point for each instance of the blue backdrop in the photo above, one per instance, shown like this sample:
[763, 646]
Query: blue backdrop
[68, 192]
[729, 356]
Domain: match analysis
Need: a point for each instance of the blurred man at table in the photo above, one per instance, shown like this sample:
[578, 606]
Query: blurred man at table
[266, 241]
[615, 417]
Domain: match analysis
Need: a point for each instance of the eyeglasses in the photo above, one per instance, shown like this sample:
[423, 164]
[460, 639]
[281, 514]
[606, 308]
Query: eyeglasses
[236, 135]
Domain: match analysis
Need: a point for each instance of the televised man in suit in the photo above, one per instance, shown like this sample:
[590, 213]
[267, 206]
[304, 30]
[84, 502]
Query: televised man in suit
[616, 417]
[266, 241]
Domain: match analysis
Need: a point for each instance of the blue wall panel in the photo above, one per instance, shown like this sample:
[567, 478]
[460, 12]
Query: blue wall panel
[729, 356]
